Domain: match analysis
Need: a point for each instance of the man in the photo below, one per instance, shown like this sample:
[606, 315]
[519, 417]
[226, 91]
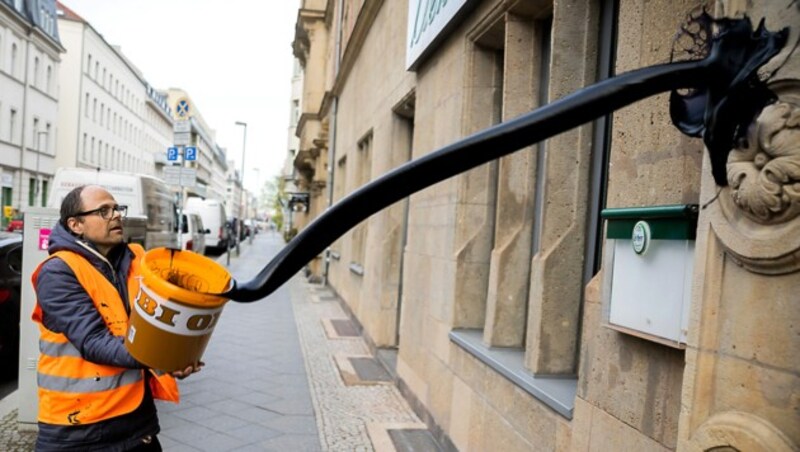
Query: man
[93, 395]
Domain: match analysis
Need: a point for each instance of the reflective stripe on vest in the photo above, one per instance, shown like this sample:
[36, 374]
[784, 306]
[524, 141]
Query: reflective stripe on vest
[88, 385]
[103, 391]
[56, 349]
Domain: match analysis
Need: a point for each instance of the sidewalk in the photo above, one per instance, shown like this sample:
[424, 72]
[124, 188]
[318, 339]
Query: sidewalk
[284, 373]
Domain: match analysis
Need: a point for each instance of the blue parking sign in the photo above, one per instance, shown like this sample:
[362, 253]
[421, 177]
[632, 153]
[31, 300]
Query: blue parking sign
[172, 153]
[190, 153]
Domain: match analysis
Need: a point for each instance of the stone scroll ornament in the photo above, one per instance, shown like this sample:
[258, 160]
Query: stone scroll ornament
[722, 95]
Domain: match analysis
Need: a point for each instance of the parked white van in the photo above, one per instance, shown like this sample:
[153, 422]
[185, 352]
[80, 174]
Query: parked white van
[152, 213]
[212, 212]
[193, 233]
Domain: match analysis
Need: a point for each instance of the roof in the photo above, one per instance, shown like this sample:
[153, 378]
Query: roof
[65, 13]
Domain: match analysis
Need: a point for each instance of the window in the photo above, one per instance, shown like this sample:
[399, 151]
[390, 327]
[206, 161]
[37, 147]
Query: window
[44, 192]
[85, 155]
[93, 158]
[49, 80]
[363, 169]
[94, 110]
[12, 125]
[36, 72]
[86, 107]
[89, 64]
[13, 68]
[96, 70]
[48, 128]
[35, 144]
[31, 191]
[295, 111]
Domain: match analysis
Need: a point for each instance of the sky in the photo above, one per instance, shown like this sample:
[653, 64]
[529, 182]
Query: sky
[233, 58]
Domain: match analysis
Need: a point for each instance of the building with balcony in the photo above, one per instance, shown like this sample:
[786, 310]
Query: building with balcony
[30, 61]
[516, 300]
[291, 196]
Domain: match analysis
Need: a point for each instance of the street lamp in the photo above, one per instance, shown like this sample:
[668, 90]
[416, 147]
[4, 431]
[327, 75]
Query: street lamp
[241, 181]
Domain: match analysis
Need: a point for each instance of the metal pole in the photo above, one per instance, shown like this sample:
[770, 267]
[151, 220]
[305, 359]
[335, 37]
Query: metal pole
[241, 181]
[182, 156]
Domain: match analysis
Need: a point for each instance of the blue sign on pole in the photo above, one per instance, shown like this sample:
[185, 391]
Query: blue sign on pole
[190, 153]
[172, 153]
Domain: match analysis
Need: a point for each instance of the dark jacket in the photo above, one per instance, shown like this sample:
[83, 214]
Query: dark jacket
[68, 309]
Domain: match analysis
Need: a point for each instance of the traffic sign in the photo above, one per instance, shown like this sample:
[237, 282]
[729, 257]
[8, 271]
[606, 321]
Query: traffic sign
[176, 175]
[172, 153]
[172, 175]
[182, 138]
[188, 177]
[182, 125]
[190, 153]
[182, 108]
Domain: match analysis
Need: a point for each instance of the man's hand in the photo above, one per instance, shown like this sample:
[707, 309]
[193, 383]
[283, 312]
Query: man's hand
[181, 374]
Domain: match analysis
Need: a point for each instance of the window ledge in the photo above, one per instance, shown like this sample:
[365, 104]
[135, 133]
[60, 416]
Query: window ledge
[555, 392]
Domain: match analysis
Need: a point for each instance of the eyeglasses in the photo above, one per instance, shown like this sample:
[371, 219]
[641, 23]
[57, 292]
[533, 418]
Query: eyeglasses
[106, 212]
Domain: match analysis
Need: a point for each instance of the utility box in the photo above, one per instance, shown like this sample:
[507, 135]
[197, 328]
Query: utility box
[651, 256]
[37, 224]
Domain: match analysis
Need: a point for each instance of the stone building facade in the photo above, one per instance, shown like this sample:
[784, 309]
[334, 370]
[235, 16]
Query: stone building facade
[497, 288]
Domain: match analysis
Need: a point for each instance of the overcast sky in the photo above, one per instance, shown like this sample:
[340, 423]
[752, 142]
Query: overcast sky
[234, 58]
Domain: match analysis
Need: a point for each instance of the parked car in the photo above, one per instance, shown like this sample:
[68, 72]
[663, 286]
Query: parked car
[10, 275]
[15, 225]
[212, 212]
[193, 233]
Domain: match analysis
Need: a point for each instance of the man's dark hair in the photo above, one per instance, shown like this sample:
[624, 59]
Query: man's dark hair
[71, 205]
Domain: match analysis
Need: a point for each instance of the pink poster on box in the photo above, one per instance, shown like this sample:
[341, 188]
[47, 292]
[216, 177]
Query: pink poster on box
[44, 239]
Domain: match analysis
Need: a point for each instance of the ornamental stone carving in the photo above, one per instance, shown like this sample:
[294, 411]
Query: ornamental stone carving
[757, 216]
[764, 176]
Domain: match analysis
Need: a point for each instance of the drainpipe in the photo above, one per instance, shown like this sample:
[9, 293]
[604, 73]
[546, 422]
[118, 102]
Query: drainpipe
[24, 115]
[332, 145]
[80, 98]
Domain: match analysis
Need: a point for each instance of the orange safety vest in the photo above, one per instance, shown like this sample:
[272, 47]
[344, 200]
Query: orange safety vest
[75, 391]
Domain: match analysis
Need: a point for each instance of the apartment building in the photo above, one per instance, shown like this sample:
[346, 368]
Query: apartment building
[30, 61]
[110, 117]
[519, 312]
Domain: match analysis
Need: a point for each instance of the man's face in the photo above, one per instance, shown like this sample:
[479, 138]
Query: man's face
[103, 233]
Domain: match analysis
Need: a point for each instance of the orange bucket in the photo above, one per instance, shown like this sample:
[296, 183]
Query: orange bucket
[174, 312]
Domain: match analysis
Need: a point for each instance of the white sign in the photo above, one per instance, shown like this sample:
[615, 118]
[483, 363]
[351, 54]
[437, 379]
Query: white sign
[182, 126]
[176, 175]
[188, 177]
[7, 179]
[182, 138]
[428, 20]
[172, 175]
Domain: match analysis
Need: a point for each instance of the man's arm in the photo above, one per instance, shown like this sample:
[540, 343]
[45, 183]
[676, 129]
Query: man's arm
[67, 309]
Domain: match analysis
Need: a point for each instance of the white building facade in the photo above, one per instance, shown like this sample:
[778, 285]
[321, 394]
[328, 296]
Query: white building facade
[30, 52]
[110, 116]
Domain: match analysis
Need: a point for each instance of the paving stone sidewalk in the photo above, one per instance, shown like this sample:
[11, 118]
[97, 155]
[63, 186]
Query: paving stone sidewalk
[277, 377]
